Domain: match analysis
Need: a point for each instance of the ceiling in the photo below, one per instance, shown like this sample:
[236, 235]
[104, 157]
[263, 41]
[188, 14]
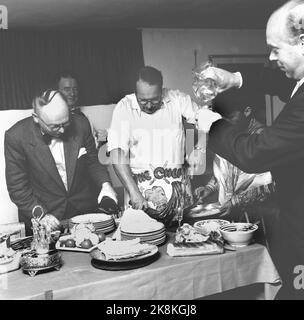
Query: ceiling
[80, 14]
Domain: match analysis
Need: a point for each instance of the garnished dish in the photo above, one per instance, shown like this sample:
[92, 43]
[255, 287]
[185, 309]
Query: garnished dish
[206, 226]
[83, 238]
[123, 255]
[191, 241]
[187, 234]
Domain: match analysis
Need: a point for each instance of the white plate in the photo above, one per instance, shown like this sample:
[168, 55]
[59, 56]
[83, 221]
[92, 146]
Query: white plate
[91, 218]
[205, 210]
[75, 249]
[144, 234]
[105, 230]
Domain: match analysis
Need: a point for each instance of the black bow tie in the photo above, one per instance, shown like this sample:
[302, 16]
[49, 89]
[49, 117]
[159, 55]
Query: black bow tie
[48, 138]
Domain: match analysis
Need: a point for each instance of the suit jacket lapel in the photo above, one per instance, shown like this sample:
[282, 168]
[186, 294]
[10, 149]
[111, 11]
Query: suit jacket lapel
[44, 155]
[71, 149]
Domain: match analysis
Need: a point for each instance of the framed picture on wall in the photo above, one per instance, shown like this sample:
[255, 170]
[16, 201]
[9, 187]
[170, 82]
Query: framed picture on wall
[250, 65]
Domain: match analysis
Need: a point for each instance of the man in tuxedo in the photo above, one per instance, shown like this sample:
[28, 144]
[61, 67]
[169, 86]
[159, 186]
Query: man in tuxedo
[278, 148]
[51, 161]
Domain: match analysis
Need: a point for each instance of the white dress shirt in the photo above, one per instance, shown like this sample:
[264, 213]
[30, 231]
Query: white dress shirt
[297, 86]
[152, 139]
[57, 150]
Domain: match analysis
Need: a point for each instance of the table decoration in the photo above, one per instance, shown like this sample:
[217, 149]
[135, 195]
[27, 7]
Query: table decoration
[41, 256]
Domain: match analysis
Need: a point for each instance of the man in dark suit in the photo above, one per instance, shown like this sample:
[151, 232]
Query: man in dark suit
[278, 148]
[51, 160]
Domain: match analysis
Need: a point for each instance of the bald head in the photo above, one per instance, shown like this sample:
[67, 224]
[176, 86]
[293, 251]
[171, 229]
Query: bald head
[276, 24]
[51, 112]
[285, 38]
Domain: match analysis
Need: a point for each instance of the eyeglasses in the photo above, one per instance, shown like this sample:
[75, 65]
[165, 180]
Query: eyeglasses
[155, 101]
[55, 127]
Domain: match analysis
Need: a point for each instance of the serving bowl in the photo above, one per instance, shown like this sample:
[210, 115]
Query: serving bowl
[238, 234]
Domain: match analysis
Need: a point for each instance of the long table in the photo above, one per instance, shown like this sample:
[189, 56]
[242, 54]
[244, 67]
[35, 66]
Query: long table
[167, 278]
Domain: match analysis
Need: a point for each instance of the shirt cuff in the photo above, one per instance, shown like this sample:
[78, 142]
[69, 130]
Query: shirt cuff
[238, 74]
[205, 119]
[108, 191]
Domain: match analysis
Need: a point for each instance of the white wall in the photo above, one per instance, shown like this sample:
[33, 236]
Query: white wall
[172, 50]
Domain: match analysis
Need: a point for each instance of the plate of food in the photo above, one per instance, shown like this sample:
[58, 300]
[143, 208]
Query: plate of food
[123, 255]
[209, 225]
[69, 245]
[188, 234]
[81, 239]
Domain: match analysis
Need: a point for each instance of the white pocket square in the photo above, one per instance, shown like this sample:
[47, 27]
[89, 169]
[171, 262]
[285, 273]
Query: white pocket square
[82, 151]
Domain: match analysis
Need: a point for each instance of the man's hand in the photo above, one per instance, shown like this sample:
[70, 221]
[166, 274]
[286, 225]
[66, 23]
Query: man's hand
[201, 193]
[205, 118]
[50, 222]
[226, 209]
[101, 135]
[197, 162]
[223, 79]
[138, 201]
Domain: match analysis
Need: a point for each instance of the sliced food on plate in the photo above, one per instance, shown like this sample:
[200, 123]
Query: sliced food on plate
[191, 241]
[115, 250]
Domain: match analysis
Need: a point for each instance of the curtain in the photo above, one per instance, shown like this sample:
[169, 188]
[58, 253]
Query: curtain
[105, 63]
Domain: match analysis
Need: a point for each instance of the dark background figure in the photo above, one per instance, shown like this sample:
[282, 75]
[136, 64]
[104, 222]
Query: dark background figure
[278, 148]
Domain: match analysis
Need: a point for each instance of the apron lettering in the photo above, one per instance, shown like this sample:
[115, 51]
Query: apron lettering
[161, 173]
[143, 176]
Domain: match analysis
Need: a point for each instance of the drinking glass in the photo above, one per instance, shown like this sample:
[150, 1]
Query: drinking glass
[205, 89]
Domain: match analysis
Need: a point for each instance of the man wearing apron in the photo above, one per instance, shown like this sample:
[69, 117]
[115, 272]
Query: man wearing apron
[147, 145]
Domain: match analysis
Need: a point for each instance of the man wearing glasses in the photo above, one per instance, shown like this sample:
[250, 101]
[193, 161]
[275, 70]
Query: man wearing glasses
[147, 141]
[51, 161]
